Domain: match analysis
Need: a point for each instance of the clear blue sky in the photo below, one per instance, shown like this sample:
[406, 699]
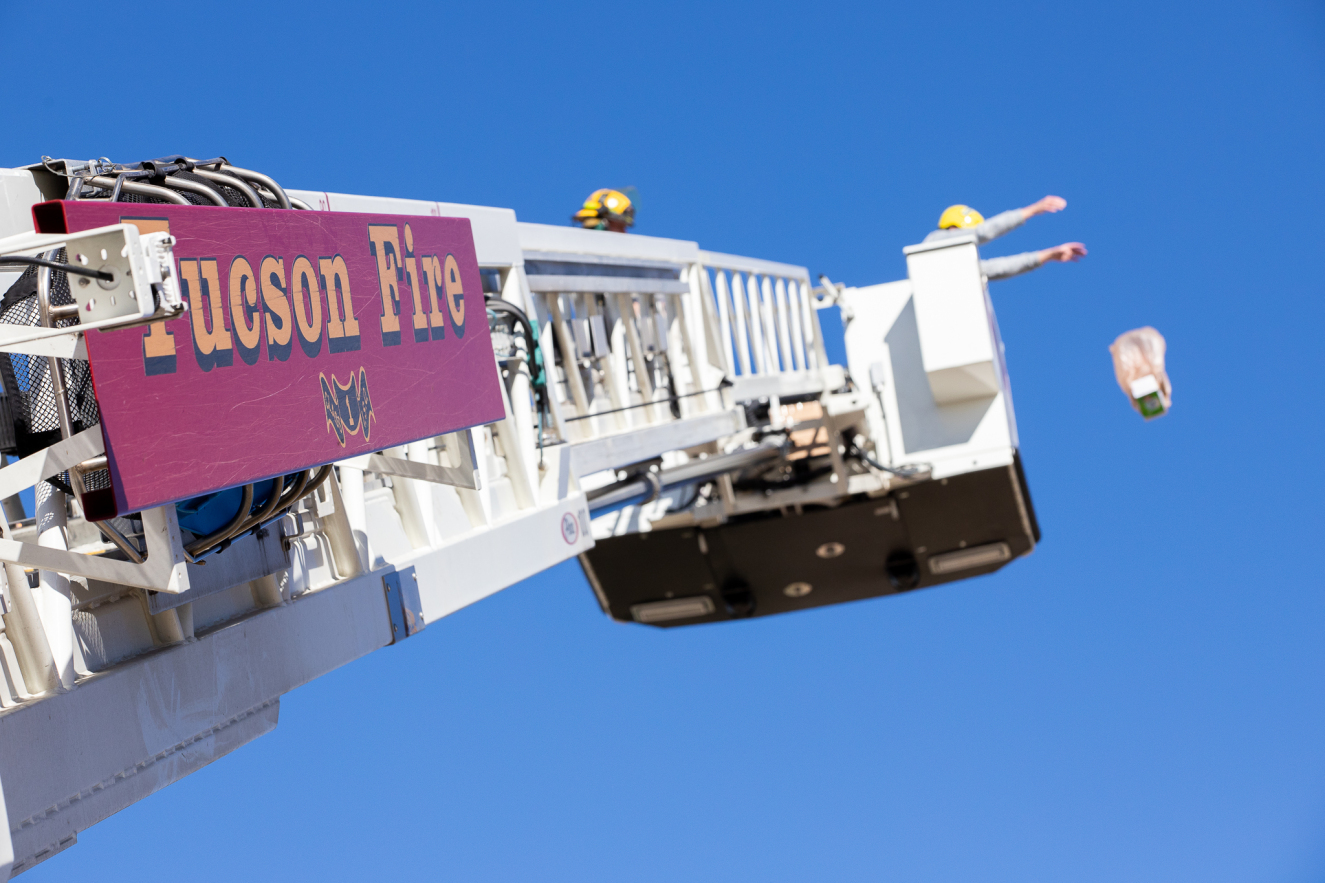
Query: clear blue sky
[1142, 699]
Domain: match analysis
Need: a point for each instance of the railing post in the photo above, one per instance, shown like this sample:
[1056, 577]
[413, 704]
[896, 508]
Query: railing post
[336, 524]
[814, 337]
[351, 495]
[607, 365]
[544, 342]
[407, 505]
[794, 315]
[770, 323]
[699, 401]
[745, 330]
[24, 627]
[513, 444]
[520, 409]
[784, 329]
[729, 364]
[625, 304]
[570, 360]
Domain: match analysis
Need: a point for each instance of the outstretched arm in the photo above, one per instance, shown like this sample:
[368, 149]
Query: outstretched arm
[1068, 251]
[1046, 206]
[1006, 222]
[1003, 222]
[1016, 264]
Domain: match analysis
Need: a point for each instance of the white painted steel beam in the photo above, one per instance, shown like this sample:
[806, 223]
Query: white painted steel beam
[123, 734]
[615, 451]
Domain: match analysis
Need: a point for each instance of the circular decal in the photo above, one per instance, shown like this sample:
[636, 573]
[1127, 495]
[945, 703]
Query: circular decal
[570, 528]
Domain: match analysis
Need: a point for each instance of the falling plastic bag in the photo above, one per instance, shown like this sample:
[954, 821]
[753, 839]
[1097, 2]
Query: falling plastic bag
[1138, 362]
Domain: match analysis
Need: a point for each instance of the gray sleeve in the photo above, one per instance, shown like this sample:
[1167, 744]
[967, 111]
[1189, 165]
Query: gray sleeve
[1012, 265]
[998, 225]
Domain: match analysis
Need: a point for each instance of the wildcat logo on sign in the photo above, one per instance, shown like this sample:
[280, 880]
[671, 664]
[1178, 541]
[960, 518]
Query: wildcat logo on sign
[349, 408]
[289, 314]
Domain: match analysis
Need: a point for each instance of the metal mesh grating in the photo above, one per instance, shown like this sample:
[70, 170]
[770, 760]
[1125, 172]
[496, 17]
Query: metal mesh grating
[27, 379]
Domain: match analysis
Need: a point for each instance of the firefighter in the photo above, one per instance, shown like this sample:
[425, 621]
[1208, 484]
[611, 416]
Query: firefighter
[606, 209]
[961, 220]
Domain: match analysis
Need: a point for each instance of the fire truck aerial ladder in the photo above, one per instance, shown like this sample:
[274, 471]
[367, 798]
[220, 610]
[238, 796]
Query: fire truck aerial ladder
[270, 431]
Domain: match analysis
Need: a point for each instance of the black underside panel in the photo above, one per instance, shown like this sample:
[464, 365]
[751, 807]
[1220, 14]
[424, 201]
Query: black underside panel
[776, 563]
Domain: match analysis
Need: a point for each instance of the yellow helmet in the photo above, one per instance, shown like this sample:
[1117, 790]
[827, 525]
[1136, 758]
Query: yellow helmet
[603, 206]
[960, 216]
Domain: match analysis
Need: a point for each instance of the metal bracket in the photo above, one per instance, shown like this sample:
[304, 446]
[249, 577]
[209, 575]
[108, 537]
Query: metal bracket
[143, 285]
[466, 475]
[403, 606]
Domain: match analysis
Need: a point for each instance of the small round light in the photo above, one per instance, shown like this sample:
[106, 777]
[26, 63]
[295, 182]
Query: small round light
[798, 590]
[830, 550]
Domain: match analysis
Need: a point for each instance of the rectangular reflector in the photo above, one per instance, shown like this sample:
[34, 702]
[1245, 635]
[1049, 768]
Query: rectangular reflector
[678, 608]
[309, 337]
[966, 559]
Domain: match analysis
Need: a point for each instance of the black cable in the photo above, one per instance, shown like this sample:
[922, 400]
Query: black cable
[538, 372]
[669, 399]
[904, 472]
[55, 265]
[498, 305]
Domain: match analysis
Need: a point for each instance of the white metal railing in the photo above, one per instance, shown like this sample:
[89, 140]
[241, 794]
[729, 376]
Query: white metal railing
[762, 321]
[649, 352]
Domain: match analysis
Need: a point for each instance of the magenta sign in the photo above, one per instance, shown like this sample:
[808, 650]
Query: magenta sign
[309, 337]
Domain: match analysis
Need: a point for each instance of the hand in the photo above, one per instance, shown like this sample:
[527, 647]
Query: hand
[1046, 206]
[1068, 251]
